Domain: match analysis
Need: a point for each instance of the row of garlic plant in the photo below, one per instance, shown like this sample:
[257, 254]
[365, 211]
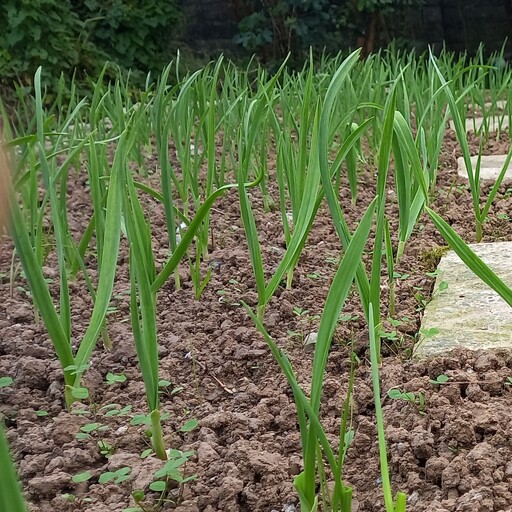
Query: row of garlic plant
[309, 116]
[115, 126]
[415, 168]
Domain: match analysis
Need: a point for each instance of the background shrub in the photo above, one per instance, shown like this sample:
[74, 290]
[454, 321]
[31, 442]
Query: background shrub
[272, 28]
[77, 37]
[133, 33]
[37, 32]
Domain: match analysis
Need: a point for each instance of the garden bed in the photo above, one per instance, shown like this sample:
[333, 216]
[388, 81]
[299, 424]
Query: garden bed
[449, 451]
[227, 409]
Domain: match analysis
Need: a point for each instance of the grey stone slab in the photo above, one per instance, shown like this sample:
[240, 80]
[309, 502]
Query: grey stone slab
[500, 105]
[490, 167]
[464, 311]
[488, 105]
[494, 123]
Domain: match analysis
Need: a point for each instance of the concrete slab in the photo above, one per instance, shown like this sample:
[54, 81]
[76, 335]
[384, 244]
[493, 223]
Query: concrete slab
[490, 167]
[464, 311]
[488, 105]
[500, 105]
[494, 123]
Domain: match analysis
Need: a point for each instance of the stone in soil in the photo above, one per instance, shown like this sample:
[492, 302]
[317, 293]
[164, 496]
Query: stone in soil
[490, 166]
[495, 123]
[464, 311]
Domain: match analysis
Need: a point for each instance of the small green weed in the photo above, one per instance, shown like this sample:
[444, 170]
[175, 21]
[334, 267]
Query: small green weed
[417, 399]
[5, 382]
[113, 378]
[440, 379]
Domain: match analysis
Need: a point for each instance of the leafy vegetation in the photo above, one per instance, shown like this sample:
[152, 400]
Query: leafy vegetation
[72, 37]
[273, 29]
[398, 104]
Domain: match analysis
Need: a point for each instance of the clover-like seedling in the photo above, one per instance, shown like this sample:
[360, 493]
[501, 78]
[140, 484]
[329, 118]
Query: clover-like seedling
[443, 285]
[89, 428]
[73, 369]
[440, 379]
[146, 453]
[106, 449]
[138, 496]
[117, 477]
[172, 470]
[398, 275]
[429, 333]
[418, 399]
[165, 387]
[145, 419]
[81, 477]
[189, 425]
[5, 381]
[115, 410]
[114, 378]
[79, 393]
[348, 317]
[300, 311]
[78, 500]
[390, 336]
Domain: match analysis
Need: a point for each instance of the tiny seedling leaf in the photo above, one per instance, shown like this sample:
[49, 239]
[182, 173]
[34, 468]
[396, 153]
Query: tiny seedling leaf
[80, 393]
[146, 453]
[118, 412]
[189, 425]
[117, 476]
[395, 394]
[106, 477]
[158, 486]
[138, 495]
[90, 427]
[440, 379]
[74, 369]
[81, 477]
[140, 419]
[428, 333]
[113, 378]
[5, 381]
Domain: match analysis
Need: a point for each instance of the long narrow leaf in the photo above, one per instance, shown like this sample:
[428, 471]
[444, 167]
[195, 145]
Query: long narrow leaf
[110, 253]
[473, 261]
[336, 297]
[11, 499]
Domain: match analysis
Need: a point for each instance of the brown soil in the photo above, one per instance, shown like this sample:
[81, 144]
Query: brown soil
[453, 456]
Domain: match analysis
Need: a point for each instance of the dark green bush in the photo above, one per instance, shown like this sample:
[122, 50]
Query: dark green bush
[133, 33]
[37, 33]
[77, 37]
[272, 28]
[276, 27]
